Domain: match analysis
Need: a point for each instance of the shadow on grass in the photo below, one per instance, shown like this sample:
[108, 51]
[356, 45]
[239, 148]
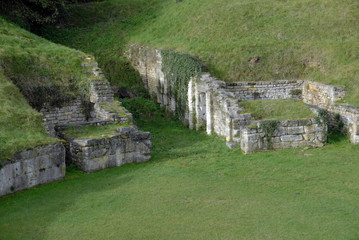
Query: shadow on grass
[336, 137]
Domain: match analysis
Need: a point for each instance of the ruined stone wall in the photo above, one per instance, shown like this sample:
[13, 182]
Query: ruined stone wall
[71, 113]
[148, 62]
[214, 106]
[287, 134]
[283, 89]
[32, 167]
[87, 110]
[129, 145]
[326, 97]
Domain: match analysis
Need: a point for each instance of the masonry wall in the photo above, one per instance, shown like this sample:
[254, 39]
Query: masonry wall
[327, 97]
[282, 89]
[71, 113]
[86, 110]
[129, 145]
[148, 62]
[288, 134]
[32, 167]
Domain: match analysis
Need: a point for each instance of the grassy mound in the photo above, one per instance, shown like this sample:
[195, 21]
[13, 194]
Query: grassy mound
[33, 71]
[278, 109]
[239, 40]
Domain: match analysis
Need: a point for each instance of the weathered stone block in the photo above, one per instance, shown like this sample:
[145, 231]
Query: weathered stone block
[295, 130]
[32, 167]
[291, 138]
[91, 155]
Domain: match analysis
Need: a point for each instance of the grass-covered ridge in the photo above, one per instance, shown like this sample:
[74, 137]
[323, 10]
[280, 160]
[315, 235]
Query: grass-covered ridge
[282, 109]
[20, 125]
[43, 71]
[196, 188]
[315, 40]
[33, 71]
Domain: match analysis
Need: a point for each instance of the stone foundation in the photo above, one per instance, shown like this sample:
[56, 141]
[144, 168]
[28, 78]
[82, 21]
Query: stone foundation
[287, 134]
[128, 146]
[214, 106]
[32, 167]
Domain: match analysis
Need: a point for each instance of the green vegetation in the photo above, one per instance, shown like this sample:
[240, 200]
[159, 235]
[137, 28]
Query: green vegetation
[114, 106]
[196, 188]
[40, 71]
[32, 12]
[314, 40]
[277, 109]
[268, 129]
[179, 68]
[20, 125]
[43, 71]
[87, 132]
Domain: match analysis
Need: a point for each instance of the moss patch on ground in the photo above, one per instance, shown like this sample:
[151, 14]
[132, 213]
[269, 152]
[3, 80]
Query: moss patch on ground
[282, 109]
[114, 106]
[88, 132]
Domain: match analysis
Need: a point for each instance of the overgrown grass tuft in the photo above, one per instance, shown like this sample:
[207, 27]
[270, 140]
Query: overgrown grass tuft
[277, 109]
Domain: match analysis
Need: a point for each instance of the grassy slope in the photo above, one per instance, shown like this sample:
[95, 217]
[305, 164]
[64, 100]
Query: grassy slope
[32, 62]
[196, 188]
[308, 39]
[20, 125]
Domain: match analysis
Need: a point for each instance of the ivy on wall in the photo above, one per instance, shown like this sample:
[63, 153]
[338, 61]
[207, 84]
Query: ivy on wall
[178, 69]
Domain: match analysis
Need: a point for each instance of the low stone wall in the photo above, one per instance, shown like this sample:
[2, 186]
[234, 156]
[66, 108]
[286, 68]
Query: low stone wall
[32, 167]
[287, 134]
[326, 97]
[282, 89]
[129, 145]
[71, 113]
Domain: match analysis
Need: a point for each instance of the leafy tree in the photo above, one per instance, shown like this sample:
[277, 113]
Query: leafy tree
[33, 12]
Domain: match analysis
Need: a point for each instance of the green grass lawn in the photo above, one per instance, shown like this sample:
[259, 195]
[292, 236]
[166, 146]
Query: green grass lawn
[306, 39]
[282, 109]
[196, 188]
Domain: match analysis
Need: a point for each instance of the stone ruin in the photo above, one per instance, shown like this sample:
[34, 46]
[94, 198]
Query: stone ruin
[45, 164]
[215, 105]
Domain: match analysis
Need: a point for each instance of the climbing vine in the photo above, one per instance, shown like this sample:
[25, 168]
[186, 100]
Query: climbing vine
[323, 118]
[178, 69]
[268, 128]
